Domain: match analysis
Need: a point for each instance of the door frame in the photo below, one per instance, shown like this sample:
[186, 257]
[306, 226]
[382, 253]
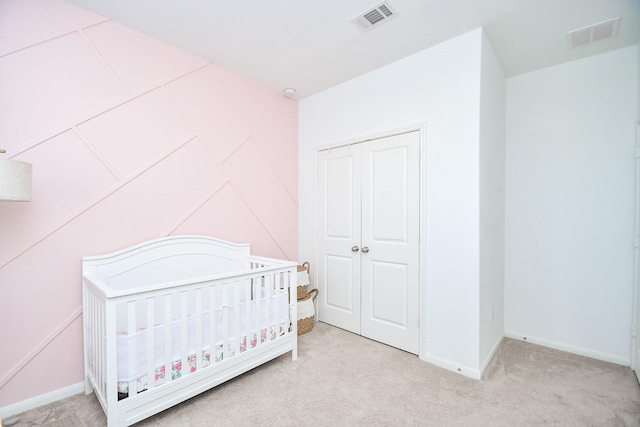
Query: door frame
[420, 127]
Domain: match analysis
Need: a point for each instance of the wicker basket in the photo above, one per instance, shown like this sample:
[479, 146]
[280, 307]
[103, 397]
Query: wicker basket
[303, 277]
[305, 324]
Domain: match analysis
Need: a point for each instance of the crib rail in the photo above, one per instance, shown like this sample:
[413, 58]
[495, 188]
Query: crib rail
[171, 331]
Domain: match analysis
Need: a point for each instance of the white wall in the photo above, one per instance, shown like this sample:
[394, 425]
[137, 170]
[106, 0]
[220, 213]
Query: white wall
[439, 86]
[569, 205]
[492, 152]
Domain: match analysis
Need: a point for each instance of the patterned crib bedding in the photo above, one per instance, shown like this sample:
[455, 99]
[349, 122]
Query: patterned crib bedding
[262, 322]
[220, 355]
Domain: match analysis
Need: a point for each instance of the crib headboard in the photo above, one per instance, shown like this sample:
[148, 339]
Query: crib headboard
[166, 260]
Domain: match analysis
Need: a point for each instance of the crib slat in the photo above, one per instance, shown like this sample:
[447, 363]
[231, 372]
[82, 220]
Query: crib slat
[151, 344]
[259, 286]
[236, 315]
[283, 293]
[101, 332]
[213, 314]
[111, 358]
[168, 339]
[286, 289]
[248, 321]
[199, 354]
[225, 320]
[131, 330]
[184, 326]
[95, 317]
[277, 292]
[267, 295]
[290, 289]
[292, 303]
[273, 296]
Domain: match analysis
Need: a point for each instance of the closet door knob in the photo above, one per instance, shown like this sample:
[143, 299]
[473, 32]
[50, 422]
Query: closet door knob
[365, 250]
[355, 249]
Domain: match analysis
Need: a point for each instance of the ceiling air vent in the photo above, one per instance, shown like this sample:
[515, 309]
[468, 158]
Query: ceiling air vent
[382, 12]
[593, 33]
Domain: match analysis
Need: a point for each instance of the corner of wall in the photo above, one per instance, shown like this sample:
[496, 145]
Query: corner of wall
[467, 371]
[492, 201]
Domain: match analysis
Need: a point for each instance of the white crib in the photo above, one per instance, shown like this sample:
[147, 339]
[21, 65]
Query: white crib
[171, 318]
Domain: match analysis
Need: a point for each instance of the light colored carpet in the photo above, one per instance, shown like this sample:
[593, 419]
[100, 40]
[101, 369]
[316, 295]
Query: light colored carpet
[341, 379]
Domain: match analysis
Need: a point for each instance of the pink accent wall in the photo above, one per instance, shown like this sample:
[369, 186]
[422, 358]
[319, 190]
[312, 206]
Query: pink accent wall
[130, 139]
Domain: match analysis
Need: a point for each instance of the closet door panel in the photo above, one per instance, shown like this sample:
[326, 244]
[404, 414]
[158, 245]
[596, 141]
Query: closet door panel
[339, 231]
[339, 283]
[390, 231]
[389, 293]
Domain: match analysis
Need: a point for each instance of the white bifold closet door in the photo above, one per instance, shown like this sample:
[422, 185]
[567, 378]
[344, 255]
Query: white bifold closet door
[368, 239]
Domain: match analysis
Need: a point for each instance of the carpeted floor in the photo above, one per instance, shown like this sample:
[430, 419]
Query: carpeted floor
[341, 379]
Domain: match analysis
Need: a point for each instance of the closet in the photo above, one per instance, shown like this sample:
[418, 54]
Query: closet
[368, 238]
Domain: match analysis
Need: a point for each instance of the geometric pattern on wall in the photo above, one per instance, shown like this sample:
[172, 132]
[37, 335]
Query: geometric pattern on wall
[25, 23]
[58, 193]
[130, 139]
[136, 59]
[239, 223]
[59, 81]
[136, 133]
[264, 193]
[206, 103]
[61, 351]
[271, 132]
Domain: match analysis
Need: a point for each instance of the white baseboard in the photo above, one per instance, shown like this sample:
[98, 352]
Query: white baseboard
[451, 366]
[43, 399]
[466, 371]
[492, 353]
[624, 361]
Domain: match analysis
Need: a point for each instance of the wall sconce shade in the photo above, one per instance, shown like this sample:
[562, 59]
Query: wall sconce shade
[15, 181]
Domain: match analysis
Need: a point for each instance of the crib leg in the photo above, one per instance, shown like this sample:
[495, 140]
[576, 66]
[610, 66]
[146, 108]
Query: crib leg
[87, 386]
[294, 350]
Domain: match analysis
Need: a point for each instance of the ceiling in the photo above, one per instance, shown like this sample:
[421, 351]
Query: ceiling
[311, 45]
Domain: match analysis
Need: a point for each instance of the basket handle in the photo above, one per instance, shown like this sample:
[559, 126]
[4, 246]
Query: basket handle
[315, 292]
[307, 266]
